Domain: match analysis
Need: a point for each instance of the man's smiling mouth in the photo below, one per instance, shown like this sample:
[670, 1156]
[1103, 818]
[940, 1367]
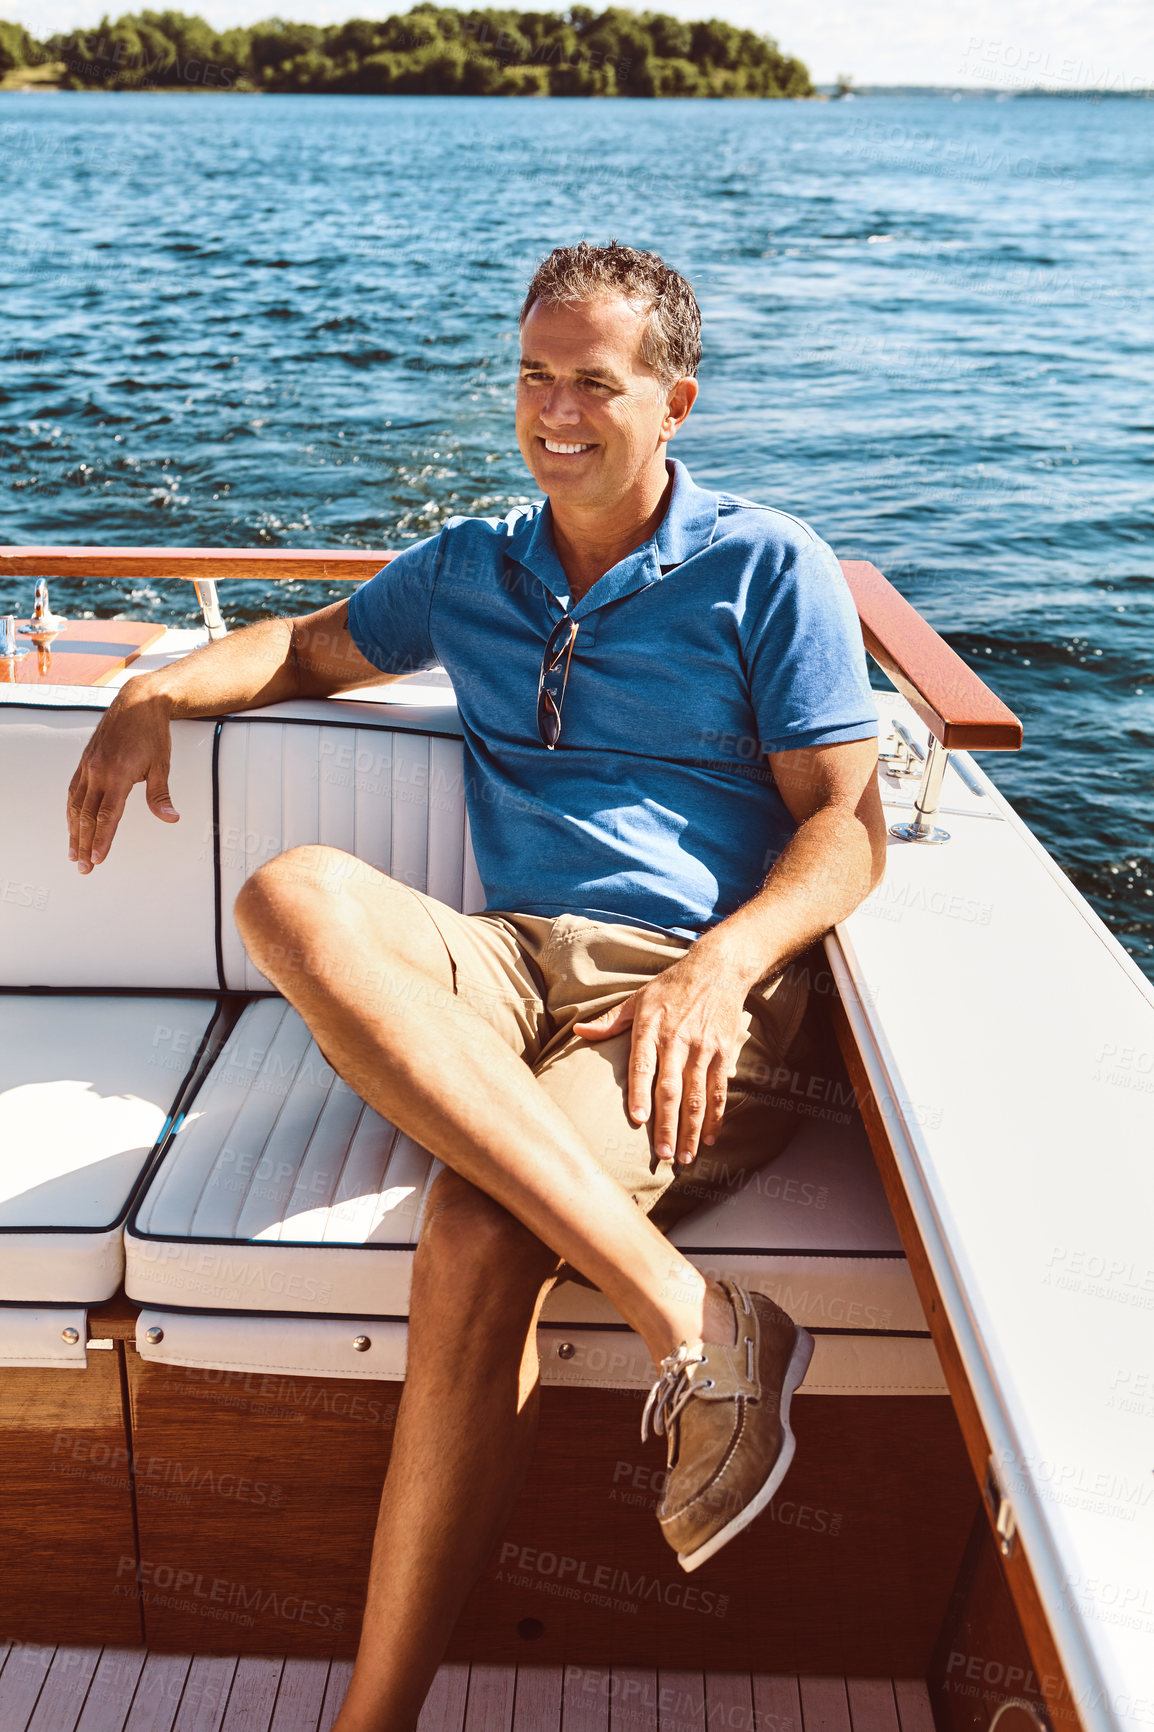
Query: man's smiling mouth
[560, 449]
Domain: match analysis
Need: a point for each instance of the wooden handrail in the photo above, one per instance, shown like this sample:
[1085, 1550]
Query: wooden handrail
[270, 564]
[959, 709]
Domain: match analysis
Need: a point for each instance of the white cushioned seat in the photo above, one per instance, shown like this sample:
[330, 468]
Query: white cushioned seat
[87, 1087]
[283, 1193]
[353, 778]
[146, 918]
[88, 1080]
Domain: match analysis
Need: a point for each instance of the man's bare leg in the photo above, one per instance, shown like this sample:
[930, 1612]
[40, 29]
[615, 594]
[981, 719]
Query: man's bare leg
[361, 961]
[462, 1445]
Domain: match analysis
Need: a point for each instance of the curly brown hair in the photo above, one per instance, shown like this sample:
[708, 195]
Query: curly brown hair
[573, 275]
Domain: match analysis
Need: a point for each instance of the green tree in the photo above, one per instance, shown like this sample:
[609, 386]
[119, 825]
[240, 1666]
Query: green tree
[429, 50]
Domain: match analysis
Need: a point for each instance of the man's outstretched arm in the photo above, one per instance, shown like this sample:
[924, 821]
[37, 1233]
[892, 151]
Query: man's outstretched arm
[265, 663]
[686, 1027]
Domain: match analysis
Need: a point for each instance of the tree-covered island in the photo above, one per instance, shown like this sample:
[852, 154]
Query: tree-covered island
[429, 51]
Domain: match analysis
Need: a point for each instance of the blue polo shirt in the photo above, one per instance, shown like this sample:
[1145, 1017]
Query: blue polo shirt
[730, 634]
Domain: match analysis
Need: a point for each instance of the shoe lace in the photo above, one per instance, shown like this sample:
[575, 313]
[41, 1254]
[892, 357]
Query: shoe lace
[671, 1392]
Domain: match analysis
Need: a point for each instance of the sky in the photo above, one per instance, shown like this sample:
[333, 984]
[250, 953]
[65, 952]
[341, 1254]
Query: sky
[991, 44]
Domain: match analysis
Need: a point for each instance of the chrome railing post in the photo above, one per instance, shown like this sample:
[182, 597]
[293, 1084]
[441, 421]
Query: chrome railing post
[10, 648]
[205, 588]
[922, 828]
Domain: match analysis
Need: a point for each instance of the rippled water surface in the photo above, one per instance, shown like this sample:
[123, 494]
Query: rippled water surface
[292, 321]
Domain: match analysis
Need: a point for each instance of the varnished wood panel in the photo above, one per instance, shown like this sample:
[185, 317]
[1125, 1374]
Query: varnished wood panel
[958, 708]
[983, 1659]
[851, 1568]
[266, 1547]
[84, 652]
[66, 1527]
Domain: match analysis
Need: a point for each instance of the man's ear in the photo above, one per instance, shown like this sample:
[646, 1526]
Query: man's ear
[677, 406]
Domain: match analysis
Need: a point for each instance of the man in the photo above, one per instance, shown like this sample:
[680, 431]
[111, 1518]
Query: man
[671, 751]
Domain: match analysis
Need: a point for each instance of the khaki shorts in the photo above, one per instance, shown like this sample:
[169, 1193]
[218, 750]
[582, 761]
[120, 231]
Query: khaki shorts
[532, 978]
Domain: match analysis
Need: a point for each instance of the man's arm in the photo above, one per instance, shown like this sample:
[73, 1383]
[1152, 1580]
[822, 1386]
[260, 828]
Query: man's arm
[313, 656]
[686, 1021]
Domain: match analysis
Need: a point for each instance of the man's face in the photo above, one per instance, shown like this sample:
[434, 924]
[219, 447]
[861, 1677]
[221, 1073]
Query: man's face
[592, 418]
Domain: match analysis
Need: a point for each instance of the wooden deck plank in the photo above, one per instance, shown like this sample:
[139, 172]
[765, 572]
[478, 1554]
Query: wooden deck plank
[872, 1707]
[729, 1701]
[537, 1706]
[633, 1700]
[206, 1690]
[444, 1709]
[62, 1698]
[913, 1705]
[158, 1694]
[585, 1699]
[681, 1701]
[301, 1696]
[490, 1704]
[21, 1682]
[253, 1695]
[776, 1703]
[824, 1705]
[111, 1691]
[340, 1672]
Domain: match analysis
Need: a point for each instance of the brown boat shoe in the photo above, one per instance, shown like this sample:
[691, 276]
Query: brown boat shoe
[725, 1415]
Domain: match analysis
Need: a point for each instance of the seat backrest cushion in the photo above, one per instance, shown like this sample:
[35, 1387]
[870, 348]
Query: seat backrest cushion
[392, 796]
[146, 916]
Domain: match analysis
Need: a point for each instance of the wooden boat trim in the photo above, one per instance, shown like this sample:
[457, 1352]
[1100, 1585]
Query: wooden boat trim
[959, 709]
[956, 706]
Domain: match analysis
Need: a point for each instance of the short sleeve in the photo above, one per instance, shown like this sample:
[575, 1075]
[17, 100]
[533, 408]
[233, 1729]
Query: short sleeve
[389, 615]
[805, 655]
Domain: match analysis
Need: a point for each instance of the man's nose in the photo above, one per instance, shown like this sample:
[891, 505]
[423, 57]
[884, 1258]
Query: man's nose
[560, 408]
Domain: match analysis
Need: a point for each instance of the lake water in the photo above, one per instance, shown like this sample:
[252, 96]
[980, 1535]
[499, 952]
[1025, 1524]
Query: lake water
[292, 321]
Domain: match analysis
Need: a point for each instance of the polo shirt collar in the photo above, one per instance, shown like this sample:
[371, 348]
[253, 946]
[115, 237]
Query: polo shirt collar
[687, 527]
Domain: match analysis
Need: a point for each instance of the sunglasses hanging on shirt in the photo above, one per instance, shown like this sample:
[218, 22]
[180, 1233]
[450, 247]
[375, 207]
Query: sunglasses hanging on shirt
[554, 678]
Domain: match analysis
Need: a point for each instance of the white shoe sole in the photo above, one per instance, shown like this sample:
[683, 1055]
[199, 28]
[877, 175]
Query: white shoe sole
[795, 1372]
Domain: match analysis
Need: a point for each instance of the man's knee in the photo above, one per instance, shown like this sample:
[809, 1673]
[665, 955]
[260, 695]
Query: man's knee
[471, 1241]
[299, 889]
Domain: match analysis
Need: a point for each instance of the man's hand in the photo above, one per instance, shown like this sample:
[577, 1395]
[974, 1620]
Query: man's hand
[132, 743]
[263, 664]
[687, 1034]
